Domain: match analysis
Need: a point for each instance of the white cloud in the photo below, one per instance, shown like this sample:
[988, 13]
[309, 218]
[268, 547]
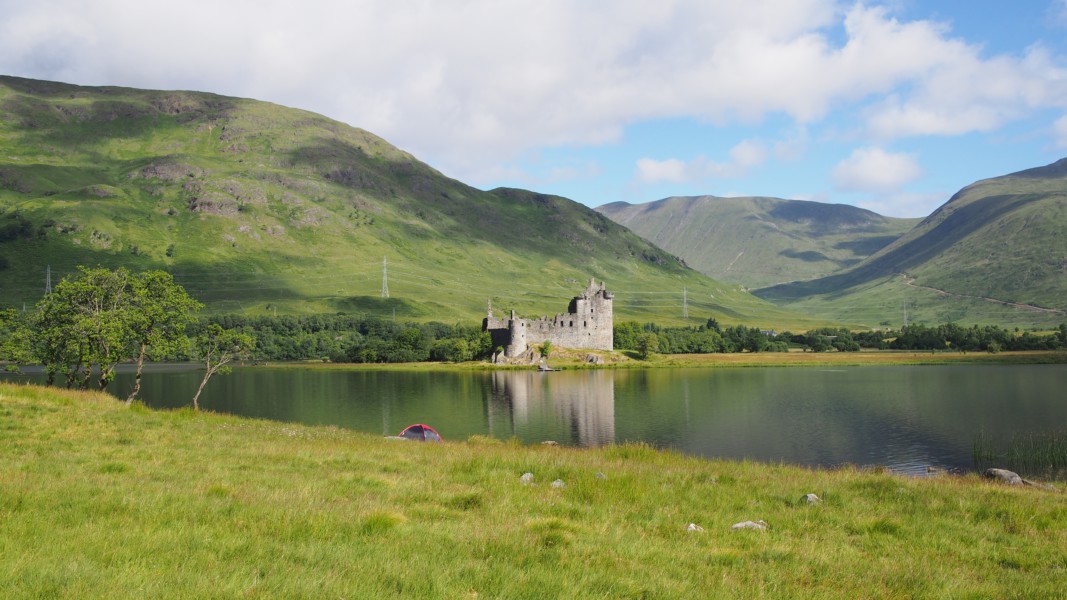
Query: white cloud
[650, 170]
[968, 94]
[1058, 12]
[905, 205]
[745, 155]
[875, 170]
[471, 85]
[1059, 132]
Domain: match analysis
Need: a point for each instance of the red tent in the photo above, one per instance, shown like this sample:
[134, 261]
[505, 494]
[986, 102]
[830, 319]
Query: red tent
[421, 433]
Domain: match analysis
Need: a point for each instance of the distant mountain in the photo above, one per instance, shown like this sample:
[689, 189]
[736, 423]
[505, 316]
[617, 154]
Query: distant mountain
[258, 208]
[759, 242]
[995, 252]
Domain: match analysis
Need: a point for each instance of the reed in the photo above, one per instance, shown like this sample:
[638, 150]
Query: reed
[1041, 455]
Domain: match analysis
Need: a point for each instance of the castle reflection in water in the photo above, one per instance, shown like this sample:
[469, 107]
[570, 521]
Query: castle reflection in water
[577, 406]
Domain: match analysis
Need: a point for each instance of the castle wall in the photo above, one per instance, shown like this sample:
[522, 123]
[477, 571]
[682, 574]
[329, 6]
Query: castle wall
[588, 324]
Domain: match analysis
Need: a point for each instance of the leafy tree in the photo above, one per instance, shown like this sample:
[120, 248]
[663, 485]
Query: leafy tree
[86, 321]
[546, 349]
[625, 335]
[647, 344]
[450, 350]
[217, 347]
[14, 340]
[161, 309]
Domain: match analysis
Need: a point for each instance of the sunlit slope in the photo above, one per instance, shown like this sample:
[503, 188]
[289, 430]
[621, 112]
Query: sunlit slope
[259, 208]
[759, 242]
[995, 252]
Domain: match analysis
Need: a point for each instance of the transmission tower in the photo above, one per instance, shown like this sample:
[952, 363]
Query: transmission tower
[685, 303]
[385, 277]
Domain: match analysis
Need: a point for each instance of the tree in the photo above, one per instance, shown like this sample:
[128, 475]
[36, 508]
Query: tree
[14, 340]
[161, 310]
[217, 347]
[546, 349]
[86, 321]
[625, 335]
[647, 344]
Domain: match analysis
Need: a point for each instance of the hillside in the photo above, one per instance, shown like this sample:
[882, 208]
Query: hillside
[995, 252]
[759, 242]
[258, 208]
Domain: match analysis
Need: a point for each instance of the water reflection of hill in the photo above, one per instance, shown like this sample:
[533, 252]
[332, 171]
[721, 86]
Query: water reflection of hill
[576, 408]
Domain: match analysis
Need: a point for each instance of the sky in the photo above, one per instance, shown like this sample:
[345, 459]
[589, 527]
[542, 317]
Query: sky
[890, 105]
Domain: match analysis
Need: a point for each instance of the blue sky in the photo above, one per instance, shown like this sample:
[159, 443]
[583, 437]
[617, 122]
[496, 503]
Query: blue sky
[892, 105]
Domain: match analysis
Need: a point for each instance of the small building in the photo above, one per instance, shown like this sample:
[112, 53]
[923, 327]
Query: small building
[586, 324]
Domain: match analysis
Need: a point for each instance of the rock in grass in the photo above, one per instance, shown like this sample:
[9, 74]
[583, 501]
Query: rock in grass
[694, 527]
[1004, 475]
[527, 478]
[757, 525]
[811, 499]
[558, 483]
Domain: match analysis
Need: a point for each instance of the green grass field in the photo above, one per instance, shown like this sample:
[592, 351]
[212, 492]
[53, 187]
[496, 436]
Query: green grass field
[97, 500]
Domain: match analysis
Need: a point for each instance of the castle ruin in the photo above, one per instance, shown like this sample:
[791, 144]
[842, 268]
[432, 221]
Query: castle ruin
[587, 324]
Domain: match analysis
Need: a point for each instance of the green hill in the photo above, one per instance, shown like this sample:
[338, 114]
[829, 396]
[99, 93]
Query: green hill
[995, 252]
[257, 208]
[759, 242]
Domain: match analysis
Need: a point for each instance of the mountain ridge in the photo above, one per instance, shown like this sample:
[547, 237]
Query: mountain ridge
[258, 208]
[756, 241]
[998, 241]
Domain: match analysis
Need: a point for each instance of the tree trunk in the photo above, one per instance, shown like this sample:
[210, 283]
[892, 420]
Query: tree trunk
[137, 377]
[196, 397]
[106, 375]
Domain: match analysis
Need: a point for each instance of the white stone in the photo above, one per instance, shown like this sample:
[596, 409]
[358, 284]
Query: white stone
[694, 527]
[812, 499]
[558, 483]
[527, 478]
[758, 525]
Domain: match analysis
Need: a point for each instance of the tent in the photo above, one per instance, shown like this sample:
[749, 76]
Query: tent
[421, 433]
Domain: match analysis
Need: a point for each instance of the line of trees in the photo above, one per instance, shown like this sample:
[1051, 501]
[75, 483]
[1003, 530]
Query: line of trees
[977, 338]
[711, 338]
[704, 339]
[358, 339]
[98, 318]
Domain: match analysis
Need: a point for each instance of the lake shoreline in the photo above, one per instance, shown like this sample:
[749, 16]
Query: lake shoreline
[565, 359]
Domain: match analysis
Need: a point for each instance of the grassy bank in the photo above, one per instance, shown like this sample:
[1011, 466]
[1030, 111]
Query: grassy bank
[97, 500]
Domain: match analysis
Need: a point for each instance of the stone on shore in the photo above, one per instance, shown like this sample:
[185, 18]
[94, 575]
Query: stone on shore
[1004, 475]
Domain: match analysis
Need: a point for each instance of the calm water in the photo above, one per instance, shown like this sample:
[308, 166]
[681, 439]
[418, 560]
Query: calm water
[906, 418]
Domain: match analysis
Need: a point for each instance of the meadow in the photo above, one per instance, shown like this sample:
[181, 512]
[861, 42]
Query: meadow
[100, 500]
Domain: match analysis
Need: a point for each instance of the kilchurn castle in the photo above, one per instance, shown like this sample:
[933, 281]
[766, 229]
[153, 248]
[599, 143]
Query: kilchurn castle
[587, 324]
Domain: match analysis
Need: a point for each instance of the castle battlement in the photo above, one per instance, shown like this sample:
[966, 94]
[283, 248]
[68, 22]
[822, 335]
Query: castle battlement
[587, 324]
